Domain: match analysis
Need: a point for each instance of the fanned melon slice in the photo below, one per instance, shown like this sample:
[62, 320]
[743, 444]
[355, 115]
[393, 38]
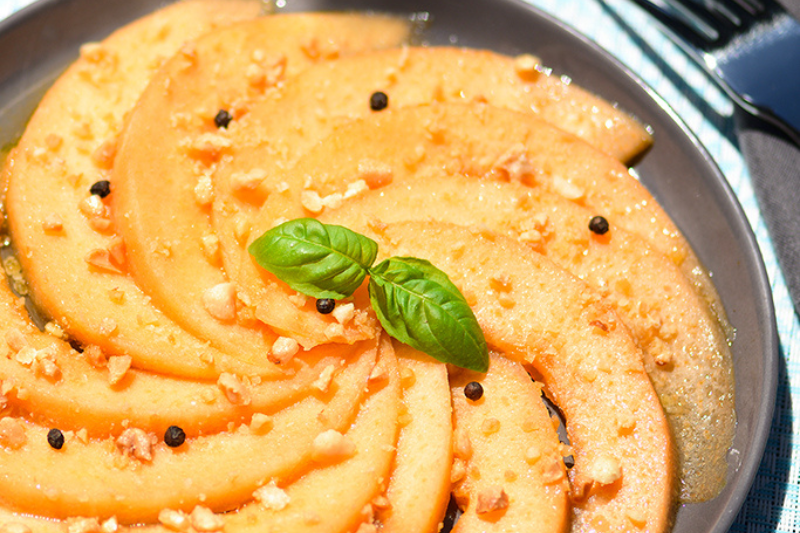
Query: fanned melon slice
[679, 336]
[508, 455]
[226, 70]
[419, 486]
[72, 260]
[537, 314]
[219, 471]
[79, 395]
[333, 499]
[483, 142]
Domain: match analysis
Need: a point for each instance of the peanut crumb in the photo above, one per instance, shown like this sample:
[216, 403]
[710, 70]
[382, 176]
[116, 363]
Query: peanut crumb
[53, 223]
[12, 433]
[605, 470]
[137, 443]
[95, 356]
[567, 189]
[344, 313]
[261, 424]
[204, 191]
[331, 445]
[490, 426]
[205, 521]
[311, 201]
[272, 497]
[15, 339]
[118, 366]
[375, 174]
[323, 382]
[220, 301]
[174, 520]
[526, 66]
[491, 499]
[283, 350]
[462, 444]
[233, 388]
[458, 470]
[407, 377]
[83, 525]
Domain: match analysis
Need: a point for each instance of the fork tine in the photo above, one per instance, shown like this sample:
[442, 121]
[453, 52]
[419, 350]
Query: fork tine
[697, 30]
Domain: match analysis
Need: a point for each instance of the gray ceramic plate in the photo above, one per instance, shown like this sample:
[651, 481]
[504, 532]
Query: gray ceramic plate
[41, 40]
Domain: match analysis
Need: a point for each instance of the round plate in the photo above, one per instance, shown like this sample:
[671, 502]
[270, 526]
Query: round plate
[677, 170]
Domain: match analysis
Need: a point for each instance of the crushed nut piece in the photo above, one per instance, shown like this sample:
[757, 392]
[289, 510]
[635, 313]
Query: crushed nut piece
[490, 426]
[233, 388]
[272, 497]
[12, 433]
[247, 181]
[491, 499]
[344, 313]
[95, 356]
[118, 366]
[206, 146]
[311, 201]
[331, 445]
[323, 382]
[407, 377]
[205, 521]
[204, 191]
[375, 174]
[260, 423]
[137, 443]
[283, 350]
[458, 470]
[108, 326]
[514, 163]
[605, 470]
[175, 520]
[355, 188]
[15, 339]
[102, 260]
[462, 445]
[567, 189]
[53, 223]
[220, 301]
[83, 525]
[526, 66]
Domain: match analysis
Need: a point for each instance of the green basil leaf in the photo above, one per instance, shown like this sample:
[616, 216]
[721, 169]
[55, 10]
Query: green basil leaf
[419, 305]
[316, 259]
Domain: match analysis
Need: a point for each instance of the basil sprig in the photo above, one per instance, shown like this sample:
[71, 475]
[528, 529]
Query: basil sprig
[415, 302]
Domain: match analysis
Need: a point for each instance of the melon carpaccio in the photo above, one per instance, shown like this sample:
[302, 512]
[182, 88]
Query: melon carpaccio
[178, 387]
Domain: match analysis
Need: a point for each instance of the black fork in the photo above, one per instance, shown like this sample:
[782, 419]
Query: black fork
[751, 47]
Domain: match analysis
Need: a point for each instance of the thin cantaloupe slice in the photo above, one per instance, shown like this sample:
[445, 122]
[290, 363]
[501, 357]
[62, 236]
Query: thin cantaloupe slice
[337, 498]
[69, 145]
[226, 69]
[219, 471]
[513, 450]
[679, 336]
[419, 487]
[539, 315]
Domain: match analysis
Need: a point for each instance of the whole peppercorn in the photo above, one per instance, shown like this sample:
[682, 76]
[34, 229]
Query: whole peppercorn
[325, 305]
[378, 101]
[598, 225]
[222, 119]
[55, 438]
[174, 436]
[101, 188]
[473, 391]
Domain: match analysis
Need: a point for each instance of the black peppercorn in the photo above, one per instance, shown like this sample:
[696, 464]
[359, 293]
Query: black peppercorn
[473, 391]
[325, 305]
[174, 436]
[55, 438]
[223, 118]
[101, 188]
[598, 225]
[378, 101]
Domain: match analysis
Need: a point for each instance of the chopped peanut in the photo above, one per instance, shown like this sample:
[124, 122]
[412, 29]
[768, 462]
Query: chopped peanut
[491, 499]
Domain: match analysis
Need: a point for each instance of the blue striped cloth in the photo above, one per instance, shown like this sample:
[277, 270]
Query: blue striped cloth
[774, 501]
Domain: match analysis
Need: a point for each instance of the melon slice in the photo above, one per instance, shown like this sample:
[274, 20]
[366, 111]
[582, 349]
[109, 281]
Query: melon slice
[337, 498]
[513, 454]
[679, 336]
[219, 470]
[228, 69]
[419, 486]
[73, 262]
[539, 315]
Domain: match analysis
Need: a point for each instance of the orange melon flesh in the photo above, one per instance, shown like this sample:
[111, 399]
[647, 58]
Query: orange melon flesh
[224, 469]
[624, 472]
[49, 173]
[225, 70]
[679, 336]
[487, 142]
[333, 499]
[419, 487]
[515, 448]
